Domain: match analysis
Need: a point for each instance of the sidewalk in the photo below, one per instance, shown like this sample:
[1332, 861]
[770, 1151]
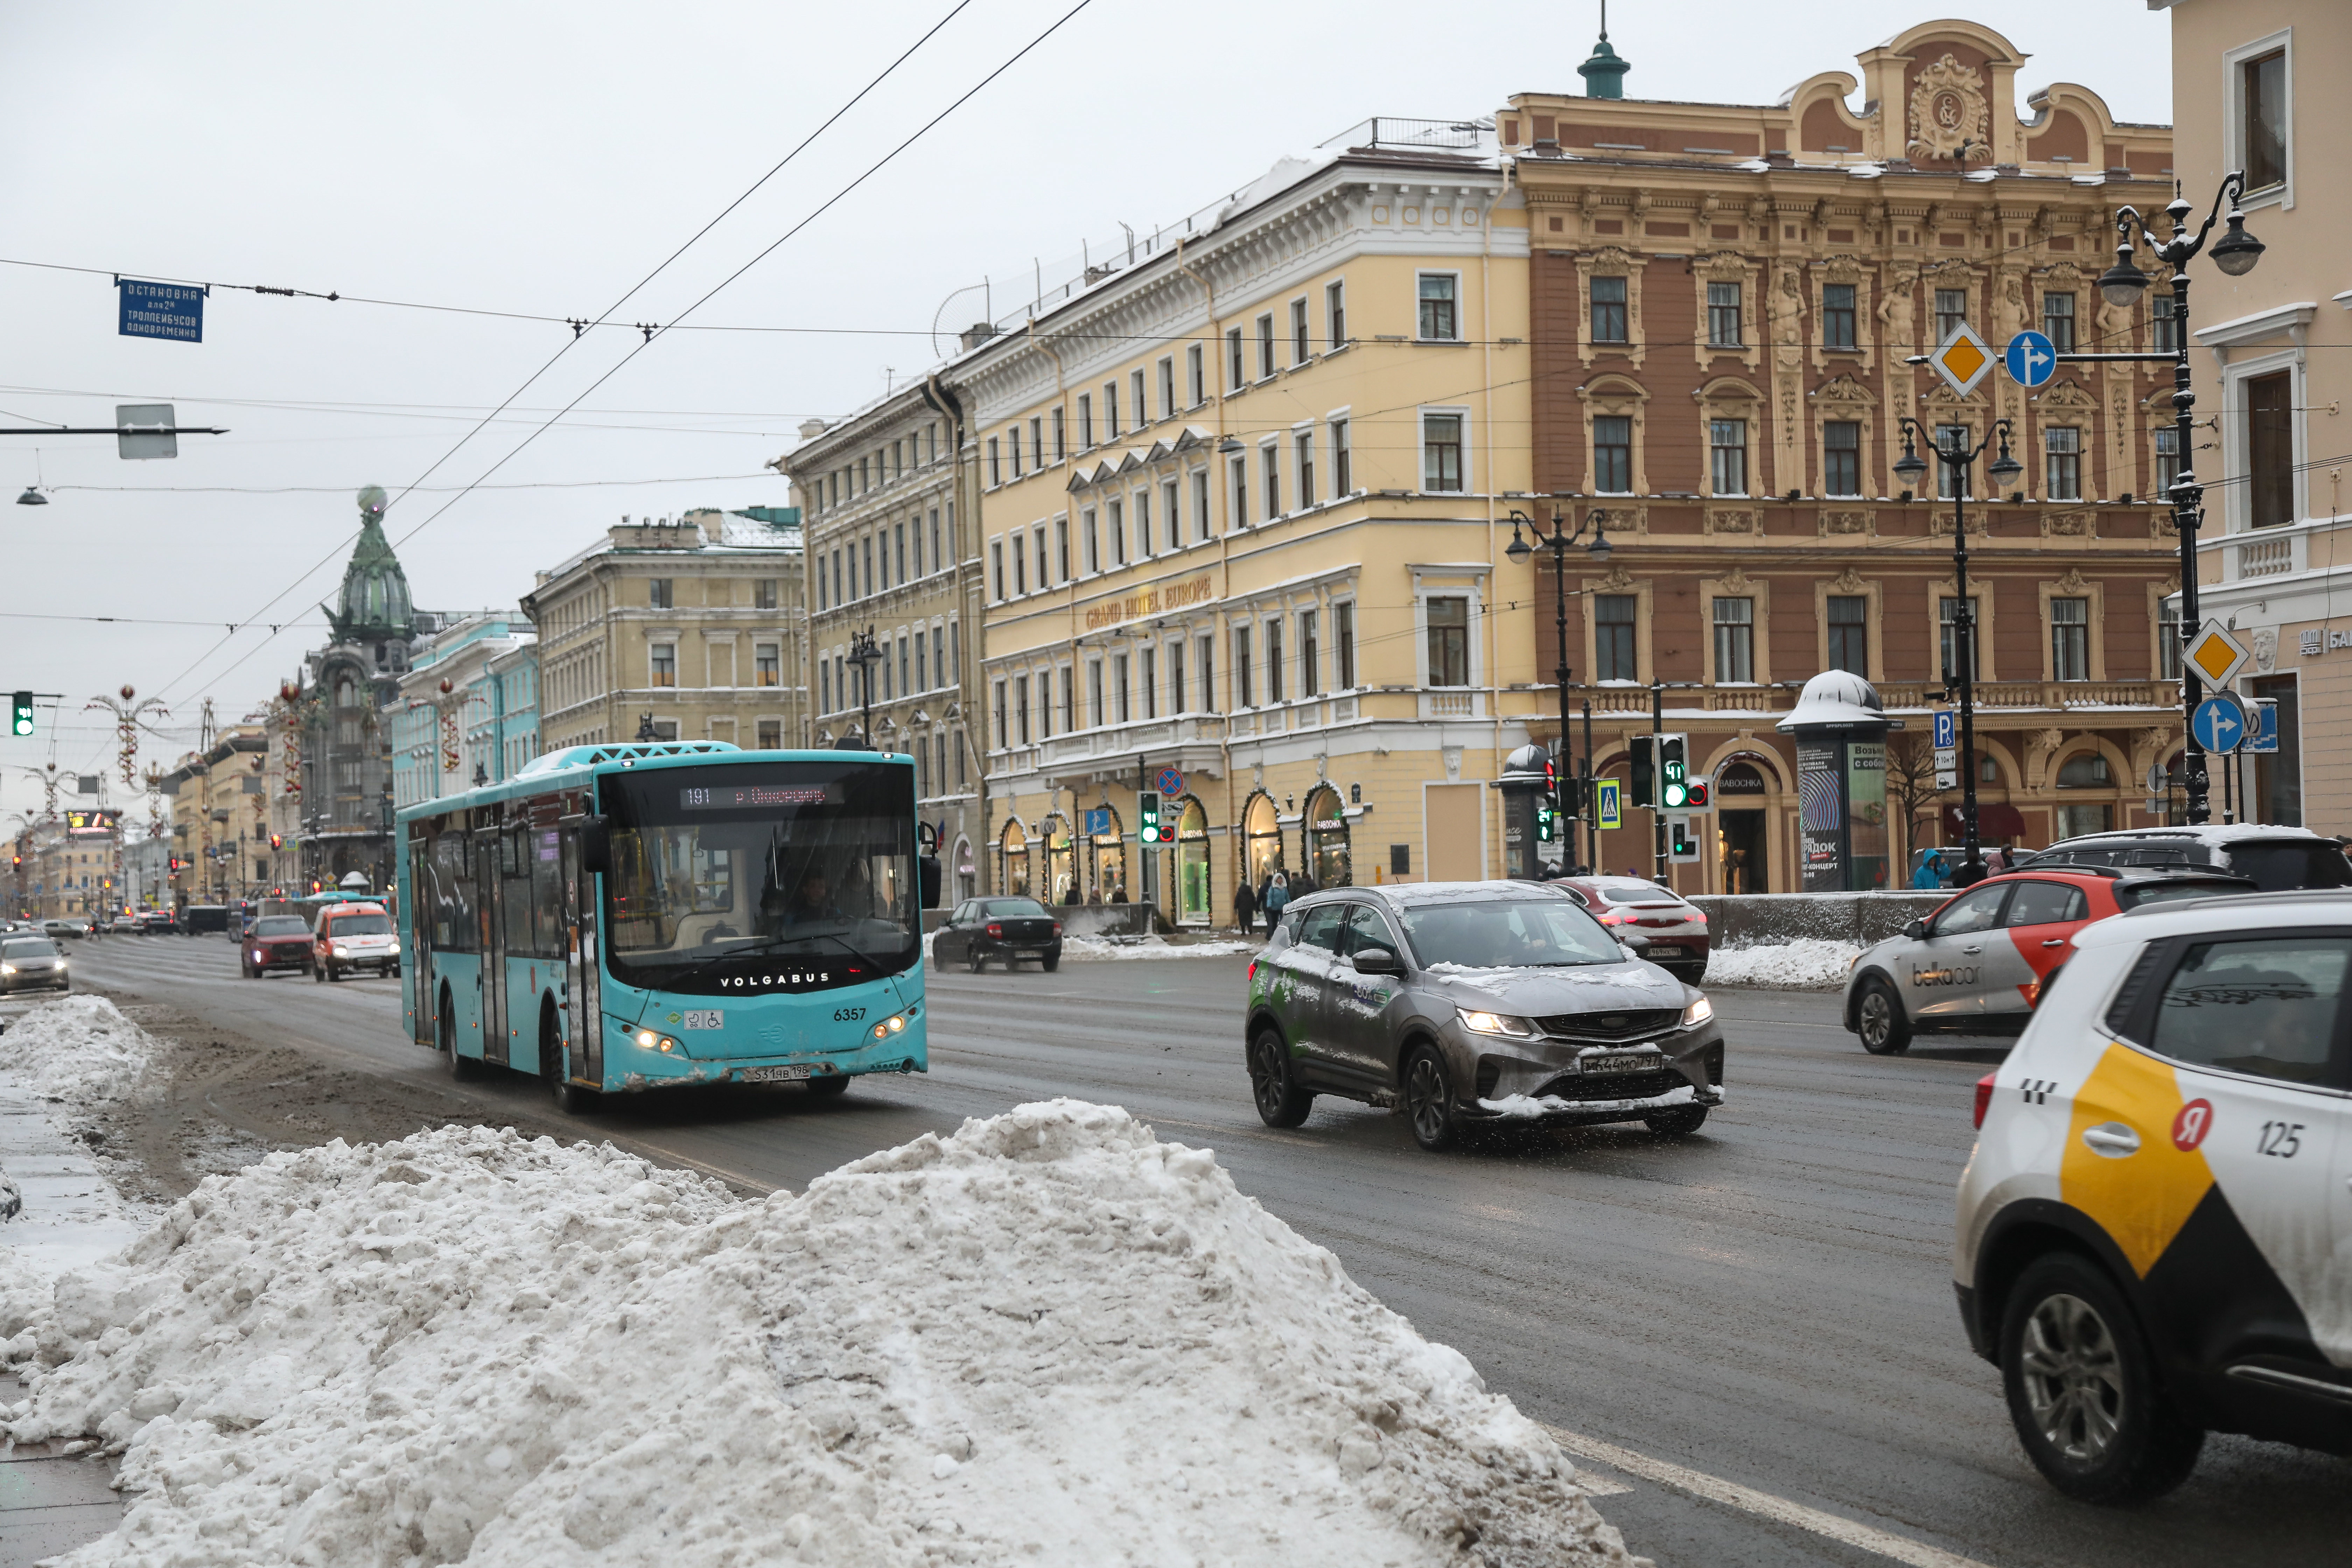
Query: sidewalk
[50, 1503]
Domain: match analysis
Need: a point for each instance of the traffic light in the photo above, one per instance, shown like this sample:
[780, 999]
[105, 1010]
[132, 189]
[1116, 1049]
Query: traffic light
[1148, 828]
[1682, 841]
[1547, 805]
[20, 713]
[1645, 770]
[1699, 794]
[1674, 772]
[277, 841]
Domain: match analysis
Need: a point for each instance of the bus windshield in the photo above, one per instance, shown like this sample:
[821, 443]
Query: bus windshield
[801, 860]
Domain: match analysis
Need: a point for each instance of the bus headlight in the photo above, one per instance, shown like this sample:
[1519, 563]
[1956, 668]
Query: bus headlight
[890, 1025]
[654, 1042]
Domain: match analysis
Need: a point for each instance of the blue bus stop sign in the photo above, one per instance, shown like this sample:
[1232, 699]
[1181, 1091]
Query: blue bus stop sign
[173, 310]
[2219, 723]
[2031, 359]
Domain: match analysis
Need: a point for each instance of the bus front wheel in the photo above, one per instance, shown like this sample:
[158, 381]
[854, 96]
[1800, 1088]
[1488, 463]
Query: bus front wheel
[570, 1098]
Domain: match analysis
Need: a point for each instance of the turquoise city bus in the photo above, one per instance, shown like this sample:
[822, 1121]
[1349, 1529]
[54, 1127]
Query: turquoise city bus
[623, 917]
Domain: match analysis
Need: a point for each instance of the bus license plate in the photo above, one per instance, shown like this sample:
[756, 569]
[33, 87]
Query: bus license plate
[776, 1075]
[707, 1018]
[1615, 1064]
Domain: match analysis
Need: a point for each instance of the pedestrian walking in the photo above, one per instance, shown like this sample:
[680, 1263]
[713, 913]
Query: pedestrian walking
[1276, 896]
[1929, 877]
[1244, 909]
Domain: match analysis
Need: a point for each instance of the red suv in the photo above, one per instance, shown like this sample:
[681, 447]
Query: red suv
[275, 941]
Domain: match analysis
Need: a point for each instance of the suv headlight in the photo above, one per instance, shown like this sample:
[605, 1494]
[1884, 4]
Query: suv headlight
[394, 950]
[1497, 1024]
[1698, 1012]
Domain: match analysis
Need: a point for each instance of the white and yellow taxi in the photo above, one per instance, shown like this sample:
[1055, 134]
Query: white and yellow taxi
[2155, 1231]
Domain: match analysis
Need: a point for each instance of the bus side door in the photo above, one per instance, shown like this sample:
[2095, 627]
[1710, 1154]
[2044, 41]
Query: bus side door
[584, 1009]
[417, 904]
[489, 917]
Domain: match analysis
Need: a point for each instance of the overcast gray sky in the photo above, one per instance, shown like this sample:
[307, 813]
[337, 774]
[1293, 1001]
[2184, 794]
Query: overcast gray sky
[541, 159]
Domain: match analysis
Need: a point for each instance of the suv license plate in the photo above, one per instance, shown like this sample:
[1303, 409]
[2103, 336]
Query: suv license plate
[1615, 1064]
[776, 1075]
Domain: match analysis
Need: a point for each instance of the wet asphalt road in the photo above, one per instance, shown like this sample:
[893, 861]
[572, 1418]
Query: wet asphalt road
[1768, 1303]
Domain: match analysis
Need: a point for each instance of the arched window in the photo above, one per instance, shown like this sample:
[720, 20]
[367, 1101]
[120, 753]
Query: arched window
[1196, 904]
[1012, 858]
[1328, 858]
[1109, 859]
[1261, 839]
[345, 694]
[1061, 861]
[2086, 770]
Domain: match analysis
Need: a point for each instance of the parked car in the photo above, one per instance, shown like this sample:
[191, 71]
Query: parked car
[1676, 929]
[33, 964]
[1473, 1002]
[161, 921]
[197, 920]
[275, 941]
[125, 924]
[1006, 930]
[2279, 859]
[352, 936]
[72, 926]
[2150, 1242]
[1979, 965]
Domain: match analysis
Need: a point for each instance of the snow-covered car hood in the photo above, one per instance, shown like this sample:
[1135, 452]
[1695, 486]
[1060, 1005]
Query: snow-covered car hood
[1544, 992]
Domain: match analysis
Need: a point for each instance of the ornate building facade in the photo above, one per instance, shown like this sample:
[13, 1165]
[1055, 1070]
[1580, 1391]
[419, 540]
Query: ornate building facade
[1724, 299]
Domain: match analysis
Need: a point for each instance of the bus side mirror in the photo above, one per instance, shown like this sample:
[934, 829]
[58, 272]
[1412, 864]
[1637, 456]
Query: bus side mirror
[595, 843]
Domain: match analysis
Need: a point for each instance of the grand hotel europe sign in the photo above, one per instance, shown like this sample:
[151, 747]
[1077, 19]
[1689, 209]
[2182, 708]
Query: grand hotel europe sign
[1156, 600]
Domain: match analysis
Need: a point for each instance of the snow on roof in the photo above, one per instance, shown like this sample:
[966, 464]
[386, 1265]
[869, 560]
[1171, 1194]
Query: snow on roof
[1047, 1338]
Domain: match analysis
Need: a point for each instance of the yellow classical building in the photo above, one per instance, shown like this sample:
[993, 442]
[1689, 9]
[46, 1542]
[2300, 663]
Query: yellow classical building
[1244, 498]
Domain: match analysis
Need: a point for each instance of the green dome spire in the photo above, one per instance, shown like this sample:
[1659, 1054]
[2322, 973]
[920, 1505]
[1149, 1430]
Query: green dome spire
[1604, 73]
[373, 605]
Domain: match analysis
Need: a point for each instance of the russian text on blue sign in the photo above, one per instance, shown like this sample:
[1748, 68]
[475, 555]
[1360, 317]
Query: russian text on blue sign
[2031, 359]
[2262, 728]
[2220, 722]
[173, 310]
[1947, 730]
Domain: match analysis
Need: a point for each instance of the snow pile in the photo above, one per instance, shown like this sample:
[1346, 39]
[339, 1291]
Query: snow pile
[1153, 947]
[1808, 963]
[1047, 1339]
[78, 1049]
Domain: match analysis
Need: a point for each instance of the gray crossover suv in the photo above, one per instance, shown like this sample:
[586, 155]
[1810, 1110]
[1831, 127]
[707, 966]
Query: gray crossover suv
[1473, 1002]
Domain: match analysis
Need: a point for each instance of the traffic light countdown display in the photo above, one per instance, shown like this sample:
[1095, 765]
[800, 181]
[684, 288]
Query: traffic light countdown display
[1547, 820]
[1149, 827]
[20, 713]
[1674, 772]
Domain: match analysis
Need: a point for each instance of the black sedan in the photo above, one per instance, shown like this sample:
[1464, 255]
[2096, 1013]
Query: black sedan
[1006, 930]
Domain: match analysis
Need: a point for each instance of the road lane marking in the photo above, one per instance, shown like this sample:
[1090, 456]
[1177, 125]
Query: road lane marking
[1781, 1510]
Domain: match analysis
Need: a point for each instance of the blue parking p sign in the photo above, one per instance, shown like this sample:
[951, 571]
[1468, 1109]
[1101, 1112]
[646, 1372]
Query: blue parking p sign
[1947, 730]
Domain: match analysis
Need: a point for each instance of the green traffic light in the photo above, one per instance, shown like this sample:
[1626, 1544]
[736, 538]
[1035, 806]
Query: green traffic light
[20, 716]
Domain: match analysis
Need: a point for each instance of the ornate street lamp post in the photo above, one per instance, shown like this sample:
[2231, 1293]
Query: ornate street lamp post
[1559, 544]
[2235, 254]
[1910, 468]
[864, 654]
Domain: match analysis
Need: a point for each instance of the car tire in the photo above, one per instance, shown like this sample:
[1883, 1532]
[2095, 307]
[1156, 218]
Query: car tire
[1050, 964]
[460, 1067]
[974, 961]
[334, 975]
[827, 1088]
[2083, 1390]
[571, 1099]
[1676, 1121]
[317, 969]
[1879, 1020]
[1428, 1097]
[1280, 1101]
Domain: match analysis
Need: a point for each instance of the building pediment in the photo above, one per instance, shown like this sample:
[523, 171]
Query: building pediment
[1843, 392]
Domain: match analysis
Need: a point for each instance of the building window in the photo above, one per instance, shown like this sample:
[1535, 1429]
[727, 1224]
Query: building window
[1342, 481]
[922, 660]
[1949, 438]
[1167, 388]
[763, 593]
[2168, 639]
[1039, 537]
[2262, 119]
[2058, 321]
[1449, 641]
[1013, 443]
[1143, 524]
[1061, 434]
[1613, 454]
[1115, 523]
[1735, 640]
[939, 555]
[1208, 676]
[898, 544]
[1302, 346]
[1020, 568]
[2167, 461]
[1148, 689]
[1243, 697]
[2070, 639]
[1196, 378]
[1139, 410]
[1241, 492]
[1837, 316]
[1091, 541]
[1335, 315]
[1727, 441]
[1086, 420]
[1613, 637]
[1723, 315]
[1118, 693]
[1095, 693]
[1201, 529]
[1609, 310]
[996, 565]
[1849, 624]
[660, 593]
[1439, 320]
[1343, 642]
[1310, 674]
[2086, 770]
[1069, 700]
[1441, 452]
[1062, 548]
[1170, 519]
[1037, 443]
[1841, 458]
[2164, 326]
[2269, 448]
[1270, 458]
[665, 664]
[1266, 345]
[1176, 677]
[1003, 729]
[767, 664]
[1951, 312]
[1111, 410]
[1020, 706]
[1274, 662]
[1235, 380]
[995, 464]
[1948, 629]
[1304, 445]
[2062, 454]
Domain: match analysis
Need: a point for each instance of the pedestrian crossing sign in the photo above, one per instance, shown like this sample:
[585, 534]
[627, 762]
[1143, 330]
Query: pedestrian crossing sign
[2216, 656]
[1609, 798]
[1964, 359]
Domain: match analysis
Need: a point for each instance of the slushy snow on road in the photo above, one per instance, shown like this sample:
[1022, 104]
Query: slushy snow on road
[1050, 1338]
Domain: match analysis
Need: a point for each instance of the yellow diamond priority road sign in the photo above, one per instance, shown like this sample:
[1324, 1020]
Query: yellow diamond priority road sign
[2216, 656]
[1963, 361]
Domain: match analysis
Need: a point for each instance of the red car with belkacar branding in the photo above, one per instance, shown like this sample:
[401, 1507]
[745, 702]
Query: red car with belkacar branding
[1978, 965]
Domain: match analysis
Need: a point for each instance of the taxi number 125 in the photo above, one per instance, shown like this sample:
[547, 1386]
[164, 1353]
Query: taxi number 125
[2280, 1138]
